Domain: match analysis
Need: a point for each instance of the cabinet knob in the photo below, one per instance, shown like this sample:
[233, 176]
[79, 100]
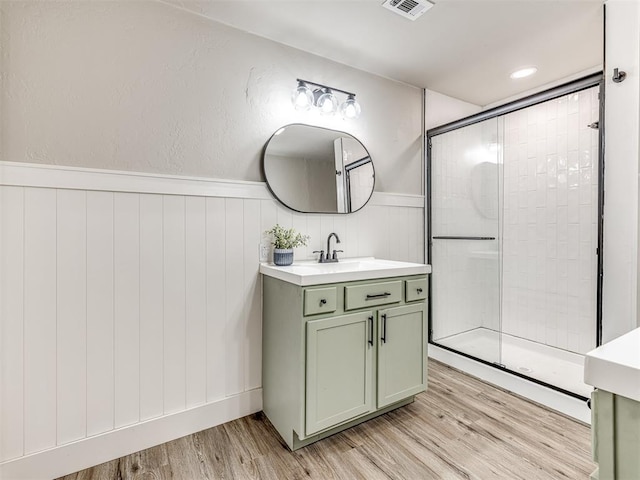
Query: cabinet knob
[419, 290]
[323, 301]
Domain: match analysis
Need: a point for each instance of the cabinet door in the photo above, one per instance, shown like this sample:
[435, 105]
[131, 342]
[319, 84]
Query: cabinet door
[339, 370]
[402, 353]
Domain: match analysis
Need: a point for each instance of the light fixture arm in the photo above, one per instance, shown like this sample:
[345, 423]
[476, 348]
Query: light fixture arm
[325, 86]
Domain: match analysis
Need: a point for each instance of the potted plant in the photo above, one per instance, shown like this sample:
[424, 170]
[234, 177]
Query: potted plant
[284, 241]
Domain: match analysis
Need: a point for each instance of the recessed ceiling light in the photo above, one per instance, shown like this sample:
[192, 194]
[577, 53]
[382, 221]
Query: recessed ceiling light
[523, 72]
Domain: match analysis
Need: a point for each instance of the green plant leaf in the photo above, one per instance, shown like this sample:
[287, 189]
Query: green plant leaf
[286, 238]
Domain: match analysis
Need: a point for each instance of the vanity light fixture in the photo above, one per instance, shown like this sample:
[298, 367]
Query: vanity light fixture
[302, 97]
[523, 72]
[350, 108]
[324, 99]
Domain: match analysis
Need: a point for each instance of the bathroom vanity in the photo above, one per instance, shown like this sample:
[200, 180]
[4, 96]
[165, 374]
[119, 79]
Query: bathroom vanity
[342, 343]
[614, 369]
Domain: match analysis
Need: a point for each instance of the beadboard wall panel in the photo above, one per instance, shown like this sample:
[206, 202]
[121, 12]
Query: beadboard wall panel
[216, 298]
[252, 295]
[12, 328]
[126, 268]
[235, 324]
[100, 313]
[122, 308]
[71, 345]
[40, 329]
[174, 258]
[151, 307]
[195, 302]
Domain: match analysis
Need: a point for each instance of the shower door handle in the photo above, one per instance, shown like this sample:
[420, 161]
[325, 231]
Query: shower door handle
[448, 237]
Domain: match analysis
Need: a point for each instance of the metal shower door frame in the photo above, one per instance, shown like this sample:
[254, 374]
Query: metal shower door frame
[593, 80]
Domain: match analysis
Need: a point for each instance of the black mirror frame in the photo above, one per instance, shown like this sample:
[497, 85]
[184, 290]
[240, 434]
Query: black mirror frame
[264, 173]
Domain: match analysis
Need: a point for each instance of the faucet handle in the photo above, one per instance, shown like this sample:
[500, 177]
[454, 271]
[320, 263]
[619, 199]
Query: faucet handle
[335, 254]
[321, 252]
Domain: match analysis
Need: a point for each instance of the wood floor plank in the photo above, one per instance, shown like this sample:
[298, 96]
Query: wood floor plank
[461, 428]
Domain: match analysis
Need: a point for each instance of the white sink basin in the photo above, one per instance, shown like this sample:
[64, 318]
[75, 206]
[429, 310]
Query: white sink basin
[615, 366]
[346, 270]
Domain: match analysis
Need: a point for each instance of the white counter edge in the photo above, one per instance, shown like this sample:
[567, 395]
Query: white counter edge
[615, 366]
[338, 277]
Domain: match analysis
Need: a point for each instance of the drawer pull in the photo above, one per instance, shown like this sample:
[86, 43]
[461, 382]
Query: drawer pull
[371, 330]
[323, 301]
[419, 290]
[379, 295]
[384, 328]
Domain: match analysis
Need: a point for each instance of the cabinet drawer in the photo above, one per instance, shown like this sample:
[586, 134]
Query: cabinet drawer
[319, 300]
[372, 294]
[416, 290]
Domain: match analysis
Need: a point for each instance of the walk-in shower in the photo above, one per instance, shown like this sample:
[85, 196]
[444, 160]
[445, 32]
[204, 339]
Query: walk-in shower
[514, 234]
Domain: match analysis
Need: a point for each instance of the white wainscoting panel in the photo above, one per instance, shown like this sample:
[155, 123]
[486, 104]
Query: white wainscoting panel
[217, 370]
[174, 256]
[40, 307]
[123, 308]
[12, 317]
[126, 266]
[71, 345]
[235, 322]
[196, 301]
[100, 313]
[151, 307]
[252, 296]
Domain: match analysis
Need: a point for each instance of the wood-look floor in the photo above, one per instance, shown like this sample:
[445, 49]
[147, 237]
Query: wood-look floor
[461, 428]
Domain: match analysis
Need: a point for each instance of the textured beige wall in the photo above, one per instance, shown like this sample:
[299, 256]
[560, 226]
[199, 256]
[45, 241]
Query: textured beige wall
[441, 109]
[145, 86]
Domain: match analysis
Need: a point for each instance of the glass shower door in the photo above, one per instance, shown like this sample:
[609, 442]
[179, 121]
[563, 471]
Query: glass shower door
[464, 240]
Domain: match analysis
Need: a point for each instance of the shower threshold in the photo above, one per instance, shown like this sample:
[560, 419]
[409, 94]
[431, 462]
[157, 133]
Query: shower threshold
[550, 365]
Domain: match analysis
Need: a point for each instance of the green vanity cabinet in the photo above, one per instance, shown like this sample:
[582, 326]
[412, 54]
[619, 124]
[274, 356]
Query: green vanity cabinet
[615, 430]
[336, 355]
[401, 350]
[339, 370]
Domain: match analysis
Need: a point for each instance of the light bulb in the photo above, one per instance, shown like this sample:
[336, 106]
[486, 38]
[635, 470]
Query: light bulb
[350, 108]
[327, 103]
[302, 97]
[523, 72]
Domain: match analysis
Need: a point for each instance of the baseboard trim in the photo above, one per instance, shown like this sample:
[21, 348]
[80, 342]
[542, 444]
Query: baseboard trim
[76, 178]
[548, 397]
[91, 451]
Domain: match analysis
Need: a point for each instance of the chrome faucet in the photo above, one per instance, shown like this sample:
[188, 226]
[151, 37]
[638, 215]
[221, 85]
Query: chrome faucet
[327, 258]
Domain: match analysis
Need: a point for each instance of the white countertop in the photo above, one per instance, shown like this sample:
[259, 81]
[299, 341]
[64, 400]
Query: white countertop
[346, 270]
[615, 366]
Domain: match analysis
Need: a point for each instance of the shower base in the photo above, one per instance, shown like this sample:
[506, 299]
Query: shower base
[550, 365]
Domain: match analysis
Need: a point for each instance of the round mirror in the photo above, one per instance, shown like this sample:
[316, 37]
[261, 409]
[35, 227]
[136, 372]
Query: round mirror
[317, 170]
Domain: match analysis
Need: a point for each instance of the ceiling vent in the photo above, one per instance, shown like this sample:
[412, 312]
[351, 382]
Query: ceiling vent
[410, 9]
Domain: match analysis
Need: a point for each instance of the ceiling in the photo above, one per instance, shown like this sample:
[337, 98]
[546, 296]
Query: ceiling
[462, 48]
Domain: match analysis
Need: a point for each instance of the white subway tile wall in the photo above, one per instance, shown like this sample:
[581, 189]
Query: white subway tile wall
[465, 202]
[550, 222]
